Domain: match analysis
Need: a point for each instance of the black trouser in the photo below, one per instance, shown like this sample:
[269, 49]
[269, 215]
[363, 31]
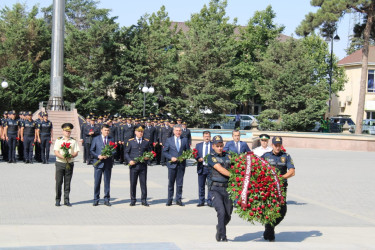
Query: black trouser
[121, 152]
[87, 152]
[223, 206]
[45, 146]
[202, 178]
[158, 151]
[4, 150]
[28, 142]
[20, 149]
[270, 229]
[12, 147]
[138, 171]
[63, 175]
[84, 152]
[38, 152]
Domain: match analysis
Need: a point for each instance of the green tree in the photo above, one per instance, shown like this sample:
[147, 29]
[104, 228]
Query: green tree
[294, 83]
[330, 11]
[252, 43]
[205, 72]
[24, 57]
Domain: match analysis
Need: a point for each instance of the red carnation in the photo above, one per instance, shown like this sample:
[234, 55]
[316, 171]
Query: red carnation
[50, 142]
[251, 213]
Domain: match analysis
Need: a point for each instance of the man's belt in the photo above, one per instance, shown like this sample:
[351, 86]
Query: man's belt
[219, 184]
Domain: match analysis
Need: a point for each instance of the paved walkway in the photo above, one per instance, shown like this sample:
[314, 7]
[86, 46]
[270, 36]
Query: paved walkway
[330, 206]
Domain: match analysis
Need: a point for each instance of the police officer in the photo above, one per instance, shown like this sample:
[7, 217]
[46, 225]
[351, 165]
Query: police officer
[127, 133]
[29, 135]
[11, 132]
[64, 167]
[284, 163]
[186, 132]
[38, 147]
[91, 130]
[135, 147]
[165, 132]
[158, 147]
[219, 163]
[45, 137]
[20, 148]
[4, 144]
[82, 136]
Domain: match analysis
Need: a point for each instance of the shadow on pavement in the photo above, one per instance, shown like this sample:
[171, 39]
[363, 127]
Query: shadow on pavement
[295, 203]
[280, 237]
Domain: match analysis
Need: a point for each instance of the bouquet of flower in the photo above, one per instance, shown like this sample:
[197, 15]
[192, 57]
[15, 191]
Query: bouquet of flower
[283, 149]
[187, 154]
[108, 151]
[148, 155]
[195, 153]
[256, 188]
[65, 148]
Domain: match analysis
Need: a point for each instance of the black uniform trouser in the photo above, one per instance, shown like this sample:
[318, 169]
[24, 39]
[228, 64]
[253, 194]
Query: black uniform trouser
[84, 151]
[45, 147]
[28, 147]
[270, 229]
[138, 171]
[20, 149]
[163, 159]
[158, 151]
[38, 151]
[121, 152]
[87, 152]
[223, 206]
[12, 147]
[4, 150]
[63, 175]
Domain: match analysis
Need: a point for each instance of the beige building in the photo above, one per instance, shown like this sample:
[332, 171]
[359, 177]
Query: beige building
[346, 103]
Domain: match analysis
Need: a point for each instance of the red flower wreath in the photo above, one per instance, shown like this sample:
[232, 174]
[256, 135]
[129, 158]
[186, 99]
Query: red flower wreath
[264, 189]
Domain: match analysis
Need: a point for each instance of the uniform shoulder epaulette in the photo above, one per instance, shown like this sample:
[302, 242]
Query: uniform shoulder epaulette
[131, 139]
[72, 138]
[146, 139]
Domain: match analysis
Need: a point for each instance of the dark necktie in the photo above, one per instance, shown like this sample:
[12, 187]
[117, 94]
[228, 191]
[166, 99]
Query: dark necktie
[206, 150]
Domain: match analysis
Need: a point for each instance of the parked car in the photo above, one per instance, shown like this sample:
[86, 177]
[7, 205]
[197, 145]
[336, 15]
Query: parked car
[336, 124]
[229, 122]
[368, 126]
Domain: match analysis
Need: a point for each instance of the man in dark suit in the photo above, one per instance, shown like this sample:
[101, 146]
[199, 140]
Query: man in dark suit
[204, 148]
[135, 147]
[105, 165]
[186, 132]
[173, 148]
[236, 145]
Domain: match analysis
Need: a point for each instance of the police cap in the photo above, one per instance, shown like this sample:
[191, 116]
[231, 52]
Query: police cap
[67, 127]
[139, 128]
[277, 140]
[264, 137]
[217, 139]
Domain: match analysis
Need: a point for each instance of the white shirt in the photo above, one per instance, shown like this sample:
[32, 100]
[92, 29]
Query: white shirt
[73, 147]
[259, 151]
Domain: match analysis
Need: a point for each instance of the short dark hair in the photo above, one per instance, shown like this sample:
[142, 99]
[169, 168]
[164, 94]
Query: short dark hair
[235, 131]
[105, 126]
[206, 132]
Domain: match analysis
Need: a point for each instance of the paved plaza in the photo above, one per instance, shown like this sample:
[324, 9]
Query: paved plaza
[330, 206]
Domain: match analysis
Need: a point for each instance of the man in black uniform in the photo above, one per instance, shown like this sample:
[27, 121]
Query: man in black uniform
[284, 163]
[38, 146]
[135, 147]
[165, 132]
[91, 130]
[219, 163]
[29, 135]
[186, 132]
[158, 147]
[45, 137]
[11, 132]
[127, 133]
[82, 136]
[4, 144]
[20, 149]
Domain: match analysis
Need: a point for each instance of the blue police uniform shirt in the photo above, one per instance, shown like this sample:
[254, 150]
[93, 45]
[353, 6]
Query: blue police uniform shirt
[29, 128]
[45, 127]
[12, 126]
[281, 161]
[223, 160]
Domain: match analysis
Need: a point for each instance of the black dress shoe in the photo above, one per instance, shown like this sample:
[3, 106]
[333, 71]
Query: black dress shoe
[57, 204]
[224, 239]
[217, 236]
[67, 203]
[200, 205]
[169, 203]
[180, 203]
[107, 203]
[10, 161]
[144, 203]
[132, 204]
[96, 203]
[84, 161]
[27, 162]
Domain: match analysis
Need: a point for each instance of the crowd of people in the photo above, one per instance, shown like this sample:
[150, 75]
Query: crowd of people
[130, 138]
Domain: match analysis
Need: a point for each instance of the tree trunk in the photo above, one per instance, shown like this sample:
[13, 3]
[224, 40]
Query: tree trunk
[362, 87]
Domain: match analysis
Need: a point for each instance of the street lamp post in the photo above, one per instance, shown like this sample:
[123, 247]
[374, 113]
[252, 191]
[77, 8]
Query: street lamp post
[4, 83]
[146, 89]
[336, 39]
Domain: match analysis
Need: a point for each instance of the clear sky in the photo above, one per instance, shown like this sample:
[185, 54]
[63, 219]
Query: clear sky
[288, 12]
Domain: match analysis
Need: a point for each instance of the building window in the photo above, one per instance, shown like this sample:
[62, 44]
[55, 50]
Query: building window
[370, 84]
[370, 115]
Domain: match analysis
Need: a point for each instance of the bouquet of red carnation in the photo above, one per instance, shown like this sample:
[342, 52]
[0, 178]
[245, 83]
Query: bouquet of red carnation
[154, 144]
[17, 138]
[148, 155]
[65, 148]
[283, 149]
[91, 130]
[187, 154]
[195, 153]
[108, 151]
